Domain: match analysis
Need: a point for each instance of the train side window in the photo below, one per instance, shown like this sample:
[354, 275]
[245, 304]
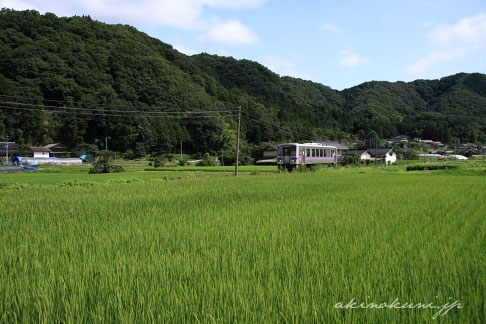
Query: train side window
[308, 152]
[325, 153]
[313, 152]
[321, 151]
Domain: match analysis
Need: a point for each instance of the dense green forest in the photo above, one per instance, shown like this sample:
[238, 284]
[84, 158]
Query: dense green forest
[78, 81]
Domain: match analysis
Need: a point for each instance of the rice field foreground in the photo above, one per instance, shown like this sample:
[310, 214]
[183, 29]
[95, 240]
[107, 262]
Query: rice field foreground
[274, 248]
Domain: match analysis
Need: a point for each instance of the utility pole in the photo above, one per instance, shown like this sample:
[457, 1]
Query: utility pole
[376, 153]
[106, 143]
[222, 155]
[238, 142]
[6, 148]
[181, 150]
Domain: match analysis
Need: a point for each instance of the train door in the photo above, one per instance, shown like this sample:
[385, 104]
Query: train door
[286, 155]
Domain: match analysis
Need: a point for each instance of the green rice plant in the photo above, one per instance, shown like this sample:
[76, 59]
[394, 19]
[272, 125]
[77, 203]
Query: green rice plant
[268, 248]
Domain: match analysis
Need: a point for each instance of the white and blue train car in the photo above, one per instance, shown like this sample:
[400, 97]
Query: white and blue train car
[291, 155]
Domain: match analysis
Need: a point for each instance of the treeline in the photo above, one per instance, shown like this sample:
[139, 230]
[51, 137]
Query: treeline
[78, 81]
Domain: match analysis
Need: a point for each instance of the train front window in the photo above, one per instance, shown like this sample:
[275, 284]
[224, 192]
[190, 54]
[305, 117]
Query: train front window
[280, 151]
[293, 150]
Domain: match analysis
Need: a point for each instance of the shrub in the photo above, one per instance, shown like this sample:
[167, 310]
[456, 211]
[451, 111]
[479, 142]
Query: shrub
[14, 186]
[105, 164]
[123, 180]
[302, 168]
[207, 160]
[76, 183]
[182, 161]
[430, 167]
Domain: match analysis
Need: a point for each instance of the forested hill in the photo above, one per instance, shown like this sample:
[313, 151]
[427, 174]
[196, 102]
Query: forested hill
[76, 81]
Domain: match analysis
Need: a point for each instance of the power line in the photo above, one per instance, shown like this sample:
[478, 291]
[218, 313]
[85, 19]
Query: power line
[113, 115]
[78, 103]
[117, 111]
[264, 122]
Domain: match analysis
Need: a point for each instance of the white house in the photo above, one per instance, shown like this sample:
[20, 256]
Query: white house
[363, 154]
[387, 155]
[40, 152]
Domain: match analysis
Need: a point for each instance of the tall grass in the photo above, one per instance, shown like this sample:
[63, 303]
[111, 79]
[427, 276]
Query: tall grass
[257, 249]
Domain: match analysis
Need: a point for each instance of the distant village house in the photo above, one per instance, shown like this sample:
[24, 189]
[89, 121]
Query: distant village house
[269, 156]
[363, 154]
[57, 150]
[387, 155]
[40, 152]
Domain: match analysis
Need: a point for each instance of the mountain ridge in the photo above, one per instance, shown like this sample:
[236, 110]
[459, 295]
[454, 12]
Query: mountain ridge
[86, 63]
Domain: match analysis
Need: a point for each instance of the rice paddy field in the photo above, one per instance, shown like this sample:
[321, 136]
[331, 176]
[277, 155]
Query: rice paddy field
[196, 247]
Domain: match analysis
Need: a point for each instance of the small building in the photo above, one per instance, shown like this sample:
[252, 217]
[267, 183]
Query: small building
[57, 150]
[270, 151]
[40, 152]
[269, 156]
[401, 139]
[363, 154]
[387, 155]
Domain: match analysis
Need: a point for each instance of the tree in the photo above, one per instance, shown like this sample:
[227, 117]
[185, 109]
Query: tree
[105, 164]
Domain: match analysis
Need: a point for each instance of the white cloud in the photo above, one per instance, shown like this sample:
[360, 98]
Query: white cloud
[185, 50]
[187, 14]
[452, 42]
[231, 33]
[18, 5]
[333, 29]
[434, 58]
[349, 59]
[284, 67]
[470, 30]
[235, 4]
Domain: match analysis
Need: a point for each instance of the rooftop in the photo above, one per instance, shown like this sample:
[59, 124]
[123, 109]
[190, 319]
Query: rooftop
[380, 151]
[40, 149]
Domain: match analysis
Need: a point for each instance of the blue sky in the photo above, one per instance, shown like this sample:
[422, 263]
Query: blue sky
[337, 43]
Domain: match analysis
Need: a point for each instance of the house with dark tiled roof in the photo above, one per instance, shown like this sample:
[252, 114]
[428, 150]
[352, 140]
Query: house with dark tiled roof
[363, 154]
[269, 156]
[57, 150]
[387, 155]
